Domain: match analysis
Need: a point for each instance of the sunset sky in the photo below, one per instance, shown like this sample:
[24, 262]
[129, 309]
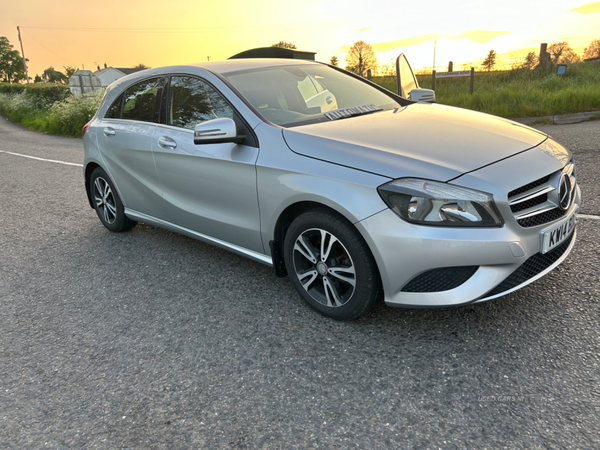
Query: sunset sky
[123, 33]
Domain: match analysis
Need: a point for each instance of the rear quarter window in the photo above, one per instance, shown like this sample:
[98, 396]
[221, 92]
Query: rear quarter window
[114, 112]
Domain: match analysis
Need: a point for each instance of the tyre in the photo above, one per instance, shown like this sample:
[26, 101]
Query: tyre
[331, 265]
[107, 202]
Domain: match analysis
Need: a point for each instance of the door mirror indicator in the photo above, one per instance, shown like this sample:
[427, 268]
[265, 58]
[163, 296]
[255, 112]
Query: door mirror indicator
[217, 131]
[422, 95]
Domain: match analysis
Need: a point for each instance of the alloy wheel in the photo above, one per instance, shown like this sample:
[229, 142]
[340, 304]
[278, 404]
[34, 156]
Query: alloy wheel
[324, 267]
[105, 200]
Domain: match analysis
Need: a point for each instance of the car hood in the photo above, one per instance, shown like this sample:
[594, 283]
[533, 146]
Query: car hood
[433, 141]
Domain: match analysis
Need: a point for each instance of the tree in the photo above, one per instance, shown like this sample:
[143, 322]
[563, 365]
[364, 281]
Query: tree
[361, 58]
[593, 51]
[51, 75]
[530, 61]
[561, 53]
[37, 79]
[11, 63]
[490, 60]
[69, 70]
[334, 61]
[282, 44]
[387, 70]
[141, 66]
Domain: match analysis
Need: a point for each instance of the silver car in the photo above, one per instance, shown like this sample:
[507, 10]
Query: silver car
[356, 193]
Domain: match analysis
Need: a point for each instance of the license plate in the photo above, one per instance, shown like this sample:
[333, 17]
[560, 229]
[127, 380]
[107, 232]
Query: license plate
[557, 234]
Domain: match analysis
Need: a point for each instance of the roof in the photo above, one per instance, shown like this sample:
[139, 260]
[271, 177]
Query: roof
[275, 52]
[129, 71]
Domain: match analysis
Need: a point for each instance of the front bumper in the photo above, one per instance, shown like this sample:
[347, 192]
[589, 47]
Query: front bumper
[404, 251]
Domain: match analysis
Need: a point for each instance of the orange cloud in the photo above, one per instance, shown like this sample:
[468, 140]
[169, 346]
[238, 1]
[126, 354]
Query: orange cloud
[381, 47]
[480, 36]
[589, 8]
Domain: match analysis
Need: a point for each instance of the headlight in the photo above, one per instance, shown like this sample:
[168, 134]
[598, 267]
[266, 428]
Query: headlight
[432, 203]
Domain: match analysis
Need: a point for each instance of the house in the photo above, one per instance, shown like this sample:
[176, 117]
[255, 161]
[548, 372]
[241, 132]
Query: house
[275, 52]
[110, 74]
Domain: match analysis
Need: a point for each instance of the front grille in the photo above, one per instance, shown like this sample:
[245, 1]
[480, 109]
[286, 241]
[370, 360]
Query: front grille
[438, 280]
[529, 186]
[530, 268]
[529, 203]
[537, 203]
[541, 219]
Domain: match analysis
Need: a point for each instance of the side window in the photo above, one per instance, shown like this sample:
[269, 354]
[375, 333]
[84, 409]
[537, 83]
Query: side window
[192, 101]
[114, 112]
[141, 101]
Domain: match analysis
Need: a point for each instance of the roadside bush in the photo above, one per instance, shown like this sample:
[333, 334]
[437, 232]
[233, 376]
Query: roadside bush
[12, 88]
[47, 94]
[17, 105]
[49, 110]
[69, 116]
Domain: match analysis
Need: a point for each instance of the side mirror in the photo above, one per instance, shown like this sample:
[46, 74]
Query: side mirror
[422, 95]
[217, 131]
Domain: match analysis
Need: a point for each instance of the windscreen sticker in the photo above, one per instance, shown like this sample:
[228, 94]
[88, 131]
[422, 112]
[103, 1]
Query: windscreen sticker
[352, 111]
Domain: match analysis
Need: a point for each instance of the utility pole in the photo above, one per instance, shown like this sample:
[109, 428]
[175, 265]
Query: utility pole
[23, 55]
[434, 46]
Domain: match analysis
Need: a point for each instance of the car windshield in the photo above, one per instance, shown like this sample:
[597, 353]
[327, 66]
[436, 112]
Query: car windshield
[298, 95]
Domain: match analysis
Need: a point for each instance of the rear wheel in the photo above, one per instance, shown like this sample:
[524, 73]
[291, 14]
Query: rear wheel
[331, 266]
[107, 202]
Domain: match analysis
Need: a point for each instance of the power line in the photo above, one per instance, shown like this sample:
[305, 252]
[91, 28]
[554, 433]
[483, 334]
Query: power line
[61, 57]
[182, 29]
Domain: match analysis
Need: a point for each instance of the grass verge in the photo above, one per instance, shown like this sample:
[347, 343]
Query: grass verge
[520, 92]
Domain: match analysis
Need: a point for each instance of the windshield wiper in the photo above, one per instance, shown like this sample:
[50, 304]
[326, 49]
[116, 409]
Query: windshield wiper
[352, 111]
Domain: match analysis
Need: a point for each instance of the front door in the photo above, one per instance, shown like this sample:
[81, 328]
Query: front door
[208, 188]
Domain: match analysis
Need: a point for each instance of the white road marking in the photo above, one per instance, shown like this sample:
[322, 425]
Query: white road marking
[586, 216]
[42, 159]
[579, 216]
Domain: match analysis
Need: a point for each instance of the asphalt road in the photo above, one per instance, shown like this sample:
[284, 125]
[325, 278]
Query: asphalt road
[148, 339]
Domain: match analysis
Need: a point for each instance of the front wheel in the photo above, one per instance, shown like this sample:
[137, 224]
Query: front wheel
[107, 202]
[331, 266]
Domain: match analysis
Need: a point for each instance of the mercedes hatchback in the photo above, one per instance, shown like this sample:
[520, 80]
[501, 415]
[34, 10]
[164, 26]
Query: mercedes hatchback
[356, 193]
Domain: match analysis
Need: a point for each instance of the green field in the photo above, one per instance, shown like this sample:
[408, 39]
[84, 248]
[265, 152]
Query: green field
[518, 93]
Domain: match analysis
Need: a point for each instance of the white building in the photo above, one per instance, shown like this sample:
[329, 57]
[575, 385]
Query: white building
[110, 74]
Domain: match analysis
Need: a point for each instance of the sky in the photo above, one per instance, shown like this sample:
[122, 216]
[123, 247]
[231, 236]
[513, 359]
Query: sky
[123, 33]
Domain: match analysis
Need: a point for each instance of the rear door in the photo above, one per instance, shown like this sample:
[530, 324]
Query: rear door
[208, 188]
[125, 138]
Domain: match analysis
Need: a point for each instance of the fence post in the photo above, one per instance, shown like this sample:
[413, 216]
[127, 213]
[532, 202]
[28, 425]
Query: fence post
[450, 66]
[472, 78]
[433, 80]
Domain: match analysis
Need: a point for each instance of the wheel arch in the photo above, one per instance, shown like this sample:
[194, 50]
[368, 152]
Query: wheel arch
[88, 174]
[285, 219]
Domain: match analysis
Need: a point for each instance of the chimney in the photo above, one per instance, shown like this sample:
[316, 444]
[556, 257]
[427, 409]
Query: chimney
[105, 65]
[98, 67]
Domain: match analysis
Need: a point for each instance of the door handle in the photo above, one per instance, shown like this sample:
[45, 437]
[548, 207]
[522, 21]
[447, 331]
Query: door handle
[109, 131]
[329, 100]
[166, 142]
